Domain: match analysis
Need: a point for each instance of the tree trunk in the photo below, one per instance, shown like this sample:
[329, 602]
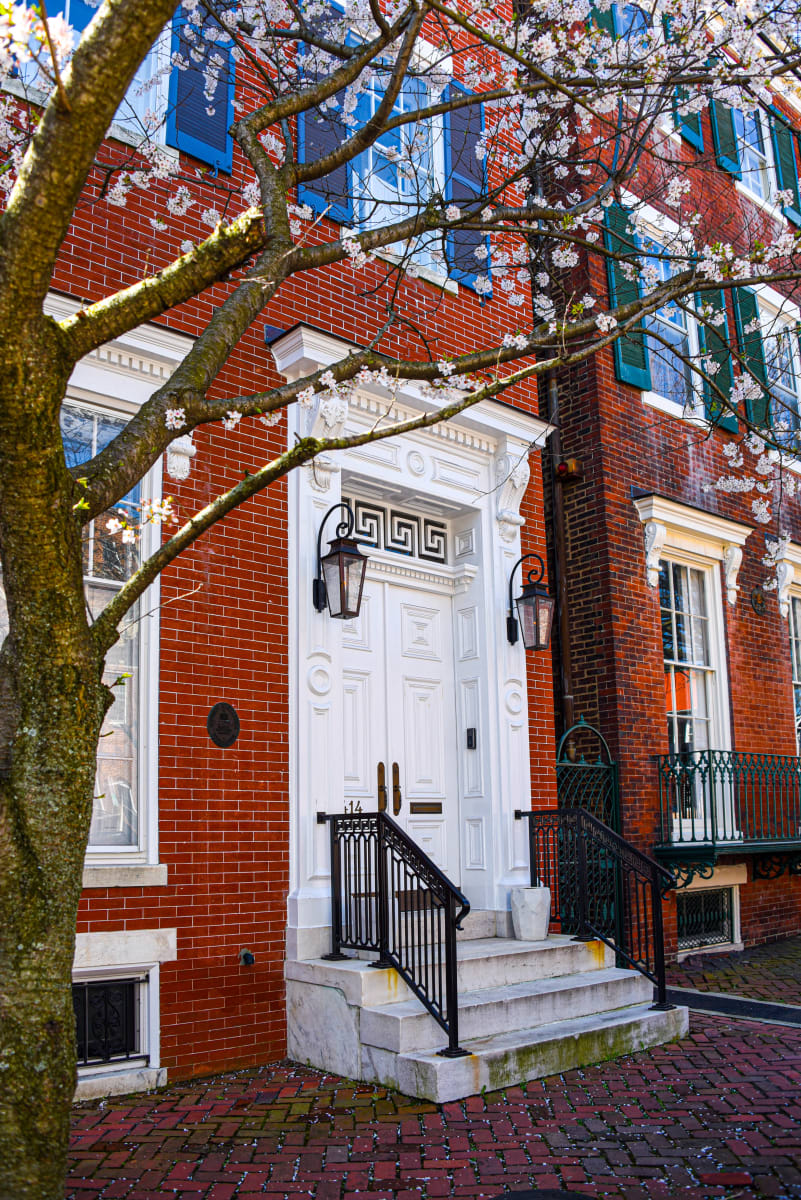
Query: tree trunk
[52, 703]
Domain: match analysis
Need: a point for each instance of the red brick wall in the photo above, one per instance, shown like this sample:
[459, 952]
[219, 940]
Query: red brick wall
[615, 629]
[223, 814]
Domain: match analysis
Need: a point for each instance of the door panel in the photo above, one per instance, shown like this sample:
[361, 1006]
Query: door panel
[399, 707]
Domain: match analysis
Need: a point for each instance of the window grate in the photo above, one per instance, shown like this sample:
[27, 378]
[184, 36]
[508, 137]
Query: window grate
[105, 1020]
[704, 918]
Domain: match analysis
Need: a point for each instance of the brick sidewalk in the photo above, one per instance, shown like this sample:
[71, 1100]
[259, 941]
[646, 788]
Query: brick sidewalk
[717, 1115]
[763, 972]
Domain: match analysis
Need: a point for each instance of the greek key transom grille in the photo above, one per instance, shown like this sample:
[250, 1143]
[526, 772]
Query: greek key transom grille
[400, 532]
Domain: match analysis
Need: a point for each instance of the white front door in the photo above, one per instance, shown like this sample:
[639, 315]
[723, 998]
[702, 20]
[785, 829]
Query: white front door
[399, 705]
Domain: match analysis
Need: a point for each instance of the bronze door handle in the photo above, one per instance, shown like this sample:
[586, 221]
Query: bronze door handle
[382, 787]
[397, 798]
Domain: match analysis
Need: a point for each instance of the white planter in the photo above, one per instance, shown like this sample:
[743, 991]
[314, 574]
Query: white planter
[531, 913]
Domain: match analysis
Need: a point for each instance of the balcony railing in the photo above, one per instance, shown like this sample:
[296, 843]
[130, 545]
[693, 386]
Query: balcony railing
[716, 802]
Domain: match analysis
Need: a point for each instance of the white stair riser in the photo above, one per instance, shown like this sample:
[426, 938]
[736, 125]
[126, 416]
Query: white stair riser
[525, 965]
[591, 1041]
[381, 1027]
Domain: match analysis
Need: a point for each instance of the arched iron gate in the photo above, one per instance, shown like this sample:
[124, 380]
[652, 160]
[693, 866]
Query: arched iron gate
[582, 782]
[586, 777]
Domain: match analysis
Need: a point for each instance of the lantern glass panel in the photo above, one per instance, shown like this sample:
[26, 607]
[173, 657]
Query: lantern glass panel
[527, 616]
[343, 571]
[544, 617]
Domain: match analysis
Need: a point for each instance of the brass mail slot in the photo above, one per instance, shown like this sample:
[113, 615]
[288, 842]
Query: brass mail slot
[434, 806]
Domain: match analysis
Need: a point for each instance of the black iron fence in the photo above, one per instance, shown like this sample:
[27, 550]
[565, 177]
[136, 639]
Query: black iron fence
[727, 800]
[586, 775]
[388, 897]
[601, 887]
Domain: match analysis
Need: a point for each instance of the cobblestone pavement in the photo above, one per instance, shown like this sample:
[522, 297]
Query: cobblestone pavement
[770, 972]
[718, 1114]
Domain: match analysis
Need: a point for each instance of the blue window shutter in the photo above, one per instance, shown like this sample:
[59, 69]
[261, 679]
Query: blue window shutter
[689, 124]
[746, 312]
[630, 351]
[320, 132]
[464, 182]
[714, 341]
[724, 135]
[784, 156]
[191, 127]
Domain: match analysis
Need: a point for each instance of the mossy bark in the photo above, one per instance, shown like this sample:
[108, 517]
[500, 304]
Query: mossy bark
[52, 703]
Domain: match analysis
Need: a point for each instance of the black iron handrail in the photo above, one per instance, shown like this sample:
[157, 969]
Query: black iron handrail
[388, 896]
[601, 887]
[729, 800]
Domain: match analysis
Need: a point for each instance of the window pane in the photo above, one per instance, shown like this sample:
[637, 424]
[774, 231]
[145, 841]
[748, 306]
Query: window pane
[115, 816]
[682, 607]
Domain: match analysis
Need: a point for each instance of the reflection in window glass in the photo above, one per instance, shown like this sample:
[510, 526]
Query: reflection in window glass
[795, 650]
[669, 345]
[754, 161]
[686, 648]
[780, 363]
[108, 562]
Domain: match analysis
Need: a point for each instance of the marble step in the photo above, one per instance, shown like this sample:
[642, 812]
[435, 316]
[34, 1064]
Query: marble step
[482, 963]
[406, 1026]
[503, 1060]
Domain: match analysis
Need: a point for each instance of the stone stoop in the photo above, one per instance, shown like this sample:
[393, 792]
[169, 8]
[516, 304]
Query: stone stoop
[526, 1010]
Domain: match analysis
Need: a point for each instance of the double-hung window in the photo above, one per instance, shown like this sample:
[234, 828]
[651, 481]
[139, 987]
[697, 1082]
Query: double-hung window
[182, 93]
[756, 161]
[686, 647]
[118, 816]
[671, 342]
[795, 653]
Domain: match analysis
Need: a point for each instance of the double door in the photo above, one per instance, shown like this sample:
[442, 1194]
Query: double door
[399, 709]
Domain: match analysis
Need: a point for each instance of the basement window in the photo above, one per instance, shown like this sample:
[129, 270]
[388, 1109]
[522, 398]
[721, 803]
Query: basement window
[108, 1026]
[705, 918]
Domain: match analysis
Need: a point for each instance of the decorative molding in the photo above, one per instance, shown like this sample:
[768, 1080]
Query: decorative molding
[732, 558]
[785, 577]
[179, 457]
[655, 534]
[512, 474]
[397, 567]
[408, 534]
[673, 526]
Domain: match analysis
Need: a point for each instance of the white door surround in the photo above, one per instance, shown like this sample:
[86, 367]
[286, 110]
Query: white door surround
[468, 474]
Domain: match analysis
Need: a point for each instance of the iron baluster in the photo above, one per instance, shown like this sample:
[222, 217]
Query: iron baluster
[403, 907]
[634, 930]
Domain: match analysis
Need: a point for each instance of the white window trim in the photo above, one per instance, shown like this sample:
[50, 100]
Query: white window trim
[126, 954]
[118, 378]
[661, 226]
[766, 203]
[730, 876]
[699, 539]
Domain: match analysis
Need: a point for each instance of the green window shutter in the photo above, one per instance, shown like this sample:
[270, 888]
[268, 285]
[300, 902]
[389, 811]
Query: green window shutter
[746, 312]
[605, 20]
[689, 125]
[630, 351]
[784, 140]
[724, 136]
[714, 341]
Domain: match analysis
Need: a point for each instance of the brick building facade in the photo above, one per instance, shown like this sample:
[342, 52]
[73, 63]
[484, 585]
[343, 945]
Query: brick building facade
[669, 604]
[197, 852]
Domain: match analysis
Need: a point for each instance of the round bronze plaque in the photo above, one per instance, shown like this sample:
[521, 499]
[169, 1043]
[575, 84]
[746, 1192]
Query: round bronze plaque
[223, 725]
[759, 601]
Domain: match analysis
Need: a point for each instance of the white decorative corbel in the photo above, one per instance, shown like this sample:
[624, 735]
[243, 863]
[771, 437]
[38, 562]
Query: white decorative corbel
[179, 457]
[512, 474]
[785, 574]
[325, 417]
[655, 534]
[732, 558]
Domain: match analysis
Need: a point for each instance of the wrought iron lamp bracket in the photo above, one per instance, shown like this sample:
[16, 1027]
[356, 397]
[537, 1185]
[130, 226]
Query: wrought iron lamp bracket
[534, 576]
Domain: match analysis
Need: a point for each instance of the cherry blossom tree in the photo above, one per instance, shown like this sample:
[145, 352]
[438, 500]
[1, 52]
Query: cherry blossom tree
[564, 115]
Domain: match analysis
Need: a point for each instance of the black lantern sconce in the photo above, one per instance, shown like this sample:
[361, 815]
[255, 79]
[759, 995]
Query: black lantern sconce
[534, 608]
[340, 574]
